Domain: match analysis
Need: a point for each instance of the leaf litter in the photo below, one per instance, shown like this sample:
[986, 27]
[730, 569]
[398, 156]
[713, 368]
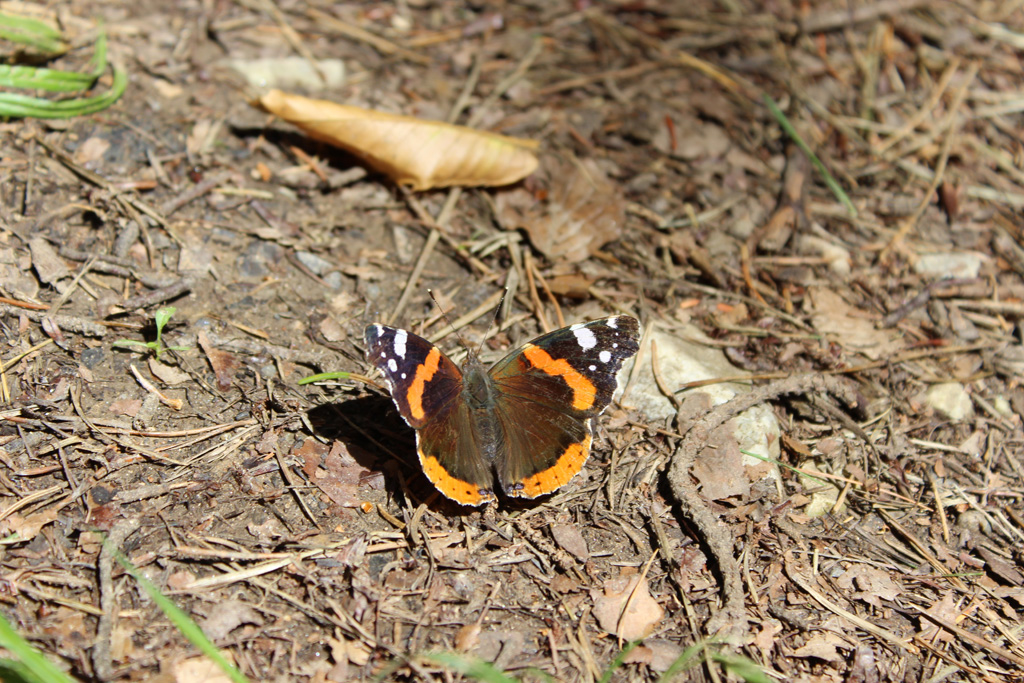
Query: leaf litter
[887, 342]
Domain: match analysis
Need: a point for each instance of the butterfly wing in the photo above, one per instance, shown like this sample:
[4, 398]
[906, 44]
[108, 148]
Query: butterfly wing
[426, 386]
[550, 392]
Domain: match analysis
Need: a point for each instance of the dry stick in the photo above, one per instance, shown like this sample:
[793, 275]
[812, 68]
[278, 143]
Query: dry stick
[101, 660]
[157, 295]
[293, 486]
[940, 168]
[538, 308]
[521, 68]
[380, 44]
[65, 322]
[804, 582]
[414, 276]
[829, 20]
[926, 109]
[194, 193]
[293, 38]
[551, 296]
[467, 90]
[718, 538]
[467, 318]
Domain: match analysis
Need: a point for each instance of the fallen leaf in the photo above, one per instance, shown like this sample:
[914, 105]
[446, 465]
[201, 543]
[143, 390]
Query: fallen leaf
[414, 152]
[338, 474]
[825, 646]
[28, 527]
[568, 536]
[129, 407]
[226, 616]
[222, 362]
[168, 374]
[946, 610]
[719, 469]
[850, 327]
[201, 670]
[584, 211]
[91, 151]
[626, 608]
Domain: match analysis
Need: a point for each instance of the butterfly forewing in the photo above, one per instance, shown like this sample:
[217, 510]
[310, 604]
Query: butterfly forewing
[423, 382]
[550, 391]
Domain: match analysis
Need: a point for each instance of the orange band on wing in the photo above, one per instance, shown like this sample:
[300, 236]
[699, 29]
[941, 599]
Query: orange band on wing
[424, 373]
[460, 491]
[583, 390]
[568, 466]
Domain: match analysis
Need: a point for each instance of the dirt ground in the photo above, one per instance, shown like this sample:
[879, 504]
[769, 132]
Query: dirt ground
[875, 325]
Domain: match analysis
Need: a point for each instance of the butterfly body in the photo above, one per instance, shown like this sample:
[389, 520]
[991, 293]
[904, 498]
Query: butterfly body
[524, 426]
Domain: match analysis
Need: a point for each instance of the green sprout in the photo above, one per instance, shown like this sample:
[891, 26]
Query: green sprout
[160, 319]
[39, 35]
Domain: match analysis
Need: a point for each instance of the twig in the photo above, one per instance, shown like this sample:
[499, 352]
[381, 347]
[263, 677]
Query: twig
[719, 539]
[101, 660]
[65, 322]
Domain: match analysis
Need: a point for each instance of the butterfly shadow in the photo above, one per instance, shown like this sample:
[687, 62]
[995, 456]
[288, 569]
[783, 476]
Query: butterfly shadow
[379, 439]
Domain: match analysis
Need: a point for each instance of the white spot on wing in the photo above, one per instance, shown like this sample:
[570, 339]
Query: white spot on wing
[383, 355]
[392, 365]
[605, 356]
[593, 368]
[401, 337]
[403, 375]
[584, 337]
[613, 322]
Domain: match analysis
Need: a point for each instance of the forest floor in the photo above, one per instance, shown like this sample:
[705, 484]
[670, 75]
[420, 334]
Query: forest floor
[816, 468]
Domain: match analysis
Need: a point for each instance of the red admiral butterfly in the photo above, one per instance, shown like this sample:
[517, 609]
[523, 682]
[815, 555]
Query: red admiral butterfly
[525, 425]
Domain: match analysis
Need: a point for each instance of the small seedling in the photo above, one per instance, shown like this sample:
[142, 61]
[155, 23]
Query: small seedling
[160, 319]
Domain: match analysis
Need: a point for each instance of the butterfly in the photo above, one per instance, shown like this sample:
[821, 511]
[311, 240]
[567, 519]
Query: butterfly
[525, 426]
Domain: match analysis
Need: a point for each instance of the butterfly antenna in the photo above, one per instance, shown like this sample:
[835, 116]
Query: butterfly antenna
[447, 320]
[494, 318]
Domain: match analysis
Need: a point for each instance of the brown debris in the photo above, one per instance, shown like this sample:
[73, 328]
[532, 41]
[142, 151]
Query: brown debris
[881, 329]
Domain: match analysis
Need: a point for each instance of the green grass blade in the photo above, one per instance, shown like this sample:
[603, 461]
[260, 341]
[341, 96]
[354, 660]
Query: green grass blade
[52, 80]
[99, 57]
[27, 31]
[181, 621]
[617, 662]
[23, 106]
[29, 660]
[472, 667]
[687, 658]
[324, 377]
[830, 181]
[746, 669]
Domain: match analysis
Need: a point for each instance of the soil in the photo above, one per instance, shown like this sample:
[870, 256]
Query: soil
[879, 321]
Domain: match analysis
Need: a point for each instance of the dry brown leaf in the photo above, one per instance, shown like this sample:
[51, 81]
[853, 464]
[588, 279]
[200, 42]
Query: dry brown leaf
[168, 374]
[850, 327]
[28, 527]
[414, 152]
[626, 608]
[201, 670]
[226, 616]
[222, 362]
[585, 210]
[569, 537]
[336, 473]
